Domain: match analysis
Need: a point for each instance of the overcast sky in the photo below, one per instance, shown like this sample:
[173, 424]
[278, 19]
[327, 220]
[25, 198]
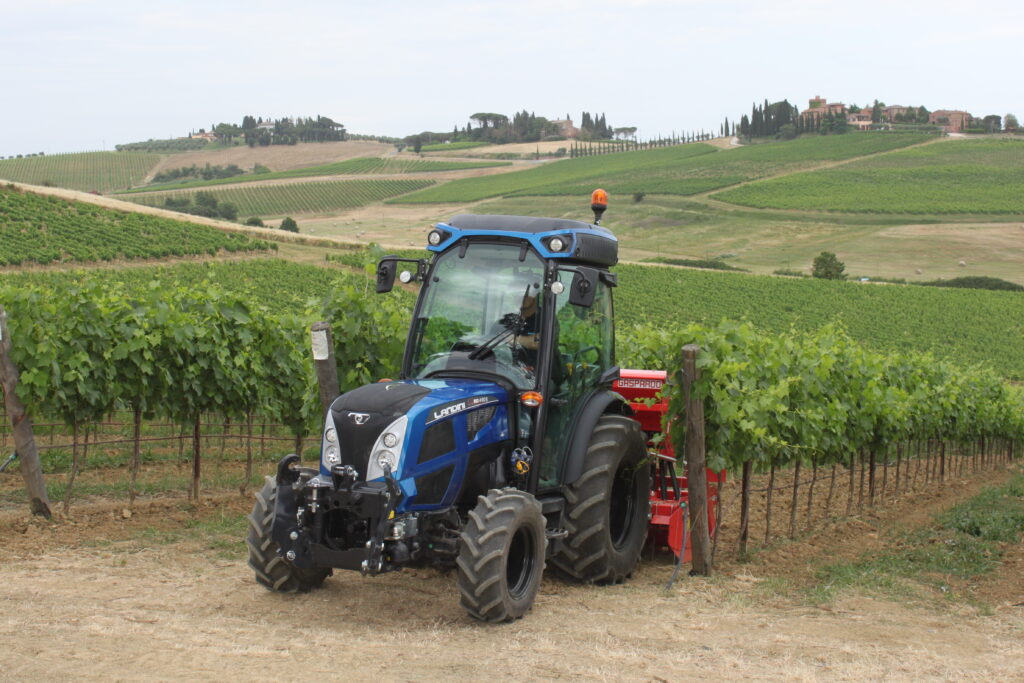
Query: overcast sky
[85, 75]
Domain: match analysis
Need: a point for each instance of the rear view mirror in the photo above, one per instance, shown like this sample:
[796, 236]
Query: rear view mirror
[386, 270]
[584, 287]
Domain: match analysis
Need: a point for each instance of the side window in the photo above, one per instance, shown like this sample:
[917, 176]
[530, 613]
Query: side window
[585, 349]
[586, 337]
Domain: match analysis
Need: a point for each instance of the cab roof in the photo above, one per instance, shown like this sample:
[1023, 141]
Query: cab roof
[581, 242]
[530, 224]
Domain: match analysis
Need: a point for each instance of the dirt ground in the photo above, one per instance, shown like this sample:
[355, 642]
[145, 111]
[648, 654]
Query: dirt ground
[102, 595]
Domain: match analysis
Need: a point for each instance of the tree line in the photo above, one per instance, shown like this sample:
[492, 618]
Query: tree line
[206, 172]
[784, 120]
[524, 126]
[589, 149]
[285, 131]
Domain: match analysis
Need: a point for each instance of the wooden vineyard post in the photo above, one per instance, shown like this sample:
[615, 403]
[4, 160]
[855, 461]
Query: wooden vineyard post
[942, 460]
[193, 492]
[769, 493]
[871, 475]
[696, 469]
[810, 492]
[745, 509]
[794, 501]
[244, 488]
[21, 424]
[323, 359]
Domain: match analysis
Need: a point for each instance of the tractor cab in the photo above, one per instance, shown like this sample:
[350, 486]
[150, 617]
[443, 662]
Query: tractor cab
[524, 303]
[500, 447]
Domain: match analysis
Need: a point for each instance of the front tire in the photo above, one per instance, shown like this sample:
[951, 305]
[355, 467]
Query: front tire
[501, 555]
[607, 508]
[273, 571]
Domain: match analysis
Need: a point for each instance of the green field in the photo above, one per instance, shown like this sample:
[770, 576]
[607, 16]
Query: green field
[569, 170]
[259, 279]
[681, 170]
[298, 198]
[42, 229]
[86, 171]
[362, 165]
[951, 177]
[967, 326]
[453, 146]
[730, 167]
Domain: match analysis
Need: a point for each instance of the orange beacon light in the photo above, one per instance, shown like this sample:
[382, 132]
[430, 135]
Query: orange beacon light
[598, 202]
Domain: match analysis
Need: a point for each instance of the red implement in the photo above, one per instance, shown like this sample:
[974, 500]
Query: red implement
[668, 483]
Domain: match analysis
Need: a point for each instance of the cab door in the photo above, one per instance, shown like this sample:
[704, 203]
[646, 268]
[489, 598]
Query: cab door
[584, 350]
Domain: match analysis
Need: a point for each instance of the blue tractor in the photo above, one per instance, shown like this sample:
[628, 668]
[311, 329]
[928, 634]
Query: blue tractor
[500, 448]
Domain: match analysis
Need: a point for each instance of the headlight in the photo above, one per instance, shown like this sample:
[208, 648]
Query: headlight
[330, 453]
[556, 244]
[434, 238]
[386, 460]
[387, 449]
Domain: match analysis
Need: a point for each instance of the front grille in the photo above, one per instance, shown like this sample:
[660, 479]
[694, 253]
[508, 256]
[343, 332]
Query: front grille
[362, 414]
[356, 440]
[477, 420]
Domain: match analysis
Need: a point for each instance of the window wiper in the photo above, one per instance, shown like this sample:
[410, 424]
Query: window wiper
[511, 323]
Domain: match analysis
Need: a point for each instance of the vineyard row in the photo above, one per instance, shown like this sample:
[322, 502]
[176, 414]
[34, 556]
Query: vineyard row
[179, 352]
[295, 198]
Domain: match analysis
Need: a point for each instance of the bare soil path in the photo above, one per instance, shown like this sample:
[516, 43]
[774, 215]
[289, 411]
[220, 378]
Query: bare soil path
[172, 613]
[106, 595]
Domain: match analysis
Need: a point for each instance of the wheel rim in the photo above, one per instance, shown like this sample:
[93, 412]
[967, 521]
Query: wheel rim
[623, 502]
[519, 567]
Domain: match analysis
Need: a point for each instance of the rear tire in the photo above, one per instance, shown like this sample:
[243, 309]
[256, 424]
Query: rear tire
[273, 571]
[606, 513]
[501, 555]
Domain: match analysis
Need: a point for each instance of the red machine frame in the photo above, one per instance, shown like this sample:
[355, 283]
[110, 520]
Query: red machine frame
[669, 493]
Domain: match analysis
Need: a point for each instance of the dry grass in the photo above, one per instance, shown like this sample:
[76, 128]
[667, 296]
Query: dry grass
[276, 157]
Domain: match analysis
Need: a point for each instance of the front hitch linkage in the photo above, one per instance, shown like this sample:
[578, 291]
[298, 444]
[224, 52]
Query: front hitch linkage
[374, 563]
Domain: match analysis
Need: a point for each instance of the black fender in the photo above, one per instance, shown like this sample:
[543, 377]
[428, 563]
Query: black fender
[600, 402]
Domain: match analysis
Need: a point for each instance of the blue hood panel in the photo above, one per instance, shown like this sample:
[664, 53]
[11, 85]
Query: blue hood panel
[435, 483]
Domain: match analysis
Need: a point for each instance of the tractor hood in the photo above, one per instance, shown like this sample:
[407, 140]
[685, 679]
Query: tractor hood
[435, 423]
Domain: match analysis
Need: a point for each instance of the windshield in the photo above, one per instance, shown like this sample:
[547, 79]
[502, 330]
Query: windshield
[481, 313]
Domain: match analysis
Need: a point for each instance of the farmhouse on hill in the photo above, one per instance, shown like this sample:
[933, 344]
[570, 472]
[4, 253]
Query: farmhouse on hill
[819, 107]
[565, 128]
[860, 120]
[952, 121]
